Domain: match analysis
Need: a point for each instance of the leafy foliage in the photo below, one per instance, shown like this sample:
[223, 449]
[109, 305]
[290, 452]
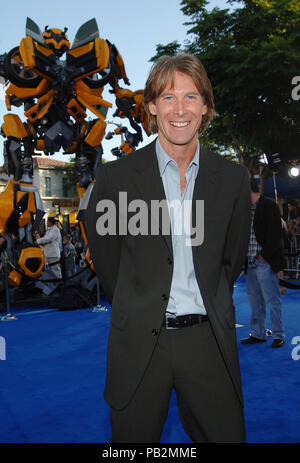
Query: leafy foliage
[251, 54]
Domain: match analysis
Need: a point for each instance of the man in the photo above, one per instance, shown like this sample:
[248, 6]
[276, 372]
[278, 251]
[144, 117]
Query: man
[59, 226]
[68, 255]
[50, 244]
[172, 317]
[265, 260]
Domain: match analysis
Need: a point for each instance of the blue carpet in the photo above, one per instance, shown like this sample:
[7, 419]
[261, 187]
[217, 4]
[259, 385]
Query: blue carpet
[53, 377]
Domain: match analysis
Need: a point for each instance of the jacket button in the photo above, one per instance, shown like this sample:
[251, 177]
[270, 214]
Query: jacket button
[164, 297]
[170, 261]
[155, 332]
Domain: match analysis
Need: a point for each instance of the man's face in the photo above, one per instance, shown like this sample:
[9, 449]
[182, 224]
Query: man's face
[178, 110]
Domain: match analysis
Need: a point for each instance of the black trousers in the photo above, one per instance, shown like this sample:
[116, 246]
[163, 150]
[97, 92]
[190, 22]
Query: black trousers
[189, 361]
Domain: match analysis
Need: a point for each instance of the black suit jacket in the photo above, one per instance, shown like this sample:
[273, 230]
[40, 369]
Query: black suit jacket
[268, 231]
[136, 271]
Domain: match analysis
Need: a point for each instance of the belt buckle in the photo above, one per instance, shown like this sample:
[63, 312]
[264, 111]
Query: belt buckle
[170, 316]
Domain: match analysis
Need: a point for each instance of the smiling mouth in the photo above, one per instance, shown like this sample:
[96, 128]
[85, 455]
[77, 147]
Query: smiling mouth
[179, 124]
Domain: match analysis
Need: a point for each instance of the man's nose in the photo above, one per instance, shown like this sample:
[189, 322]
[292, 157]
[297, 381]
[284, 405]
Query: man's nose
[179, 107]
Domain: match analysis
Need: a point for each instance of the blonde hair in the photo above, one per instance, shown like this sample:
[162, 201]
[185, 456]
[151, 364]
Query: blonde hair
[164, 68]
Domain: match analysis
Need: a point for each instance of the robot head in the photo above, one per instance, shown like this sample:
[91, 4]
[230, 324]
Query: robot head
[56, 40]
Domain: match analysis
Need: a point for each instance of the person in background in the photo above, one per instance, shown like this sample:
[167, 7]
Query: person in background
[59, 226]
[50, 244]
[78, 242]
[68, 255]
[265, 260]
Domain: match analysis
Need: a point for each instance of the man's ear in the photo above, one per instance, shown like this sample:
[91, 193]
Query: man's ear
[152, 108]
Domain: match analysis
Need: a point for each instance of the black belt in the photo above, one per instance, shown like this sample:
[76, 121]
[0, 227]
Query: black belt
[183, 320]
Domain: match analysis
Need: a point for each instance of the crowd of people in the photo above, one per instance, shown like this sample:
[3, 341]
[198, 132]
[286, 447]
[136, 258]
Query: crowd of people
[62, 251]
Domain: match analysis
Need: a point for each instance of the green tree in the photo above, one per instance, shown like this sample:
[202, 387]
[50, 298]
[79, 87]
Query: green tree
[71, 177]
[251, 55]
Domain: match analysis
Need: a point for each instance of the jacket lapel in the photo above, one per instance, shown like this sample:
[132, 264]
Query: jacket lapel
[149, 184]
[205, 189]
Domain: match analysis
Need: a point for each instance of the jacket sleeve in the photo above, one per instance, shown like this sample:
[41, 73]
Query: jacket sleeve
[49, 236]
[104, 248]
[238, 232]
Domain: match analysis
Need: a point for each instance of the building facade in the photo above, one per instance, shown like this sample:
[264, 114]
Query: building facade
[52, 179]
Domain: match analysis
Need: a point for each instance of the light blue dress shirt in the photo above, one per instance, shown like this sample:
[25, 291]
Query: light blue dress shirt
[185, 297]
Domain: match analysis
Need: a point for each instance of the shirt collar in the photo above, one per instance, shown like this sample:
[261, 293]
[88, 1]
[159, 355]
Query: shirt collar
[164, 159]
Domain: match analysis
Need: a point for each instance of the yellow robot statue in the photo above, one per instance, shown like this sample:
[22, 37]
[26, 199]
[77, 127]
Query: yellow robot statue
[56, 84]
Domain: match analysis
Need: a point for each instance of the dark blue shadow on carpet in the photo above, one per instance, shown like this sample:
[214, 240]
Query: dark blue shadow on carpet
[53, 377]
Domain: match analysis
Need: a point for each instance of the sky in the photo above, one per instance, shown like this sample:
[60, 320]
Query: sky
[135, 27]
